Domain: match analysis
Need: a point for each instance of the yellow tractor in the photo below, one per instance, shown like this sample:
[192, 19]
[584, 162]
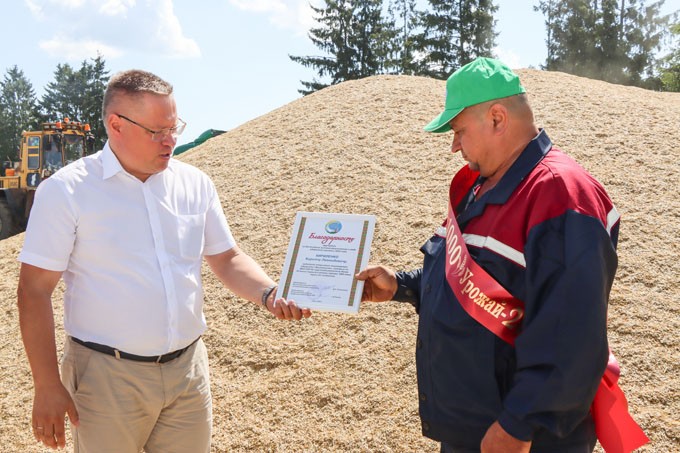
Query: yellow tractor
[42, 153]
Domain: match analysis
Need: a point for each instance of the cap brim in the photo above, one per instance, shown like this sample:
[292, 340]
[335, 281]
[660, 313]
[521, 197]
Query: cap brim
[441, 122]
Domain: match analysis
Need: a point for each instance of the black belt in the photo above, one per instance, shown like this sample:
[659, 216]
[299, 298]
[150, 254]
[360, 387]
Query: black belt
[138, 358]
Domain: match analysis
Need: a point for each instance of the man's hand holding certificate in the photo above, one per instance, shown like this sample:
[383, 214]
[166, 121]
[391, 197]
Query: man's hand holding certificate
[324, 253]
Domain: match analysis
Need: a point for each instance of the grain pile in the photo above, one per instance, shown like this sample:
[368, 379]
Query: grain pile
[343, 383]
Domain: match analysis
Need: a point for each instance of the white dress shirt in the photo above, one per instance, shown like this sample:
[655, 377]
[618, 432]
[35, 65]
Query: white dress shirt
[130, 251]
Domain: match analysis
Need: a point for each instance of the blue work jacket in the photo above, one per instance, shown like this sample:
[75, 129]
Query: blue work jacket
[547, 233]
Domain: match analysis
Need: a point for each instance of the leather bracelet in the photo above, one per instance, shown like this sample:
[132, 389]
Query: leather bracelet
[266, 293]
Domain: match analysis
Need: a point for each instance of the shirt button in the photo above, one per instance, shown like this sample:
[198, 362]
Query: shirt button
[419, 343]
[428, 288]
[426, 426]
[423, 397]
[409, 292]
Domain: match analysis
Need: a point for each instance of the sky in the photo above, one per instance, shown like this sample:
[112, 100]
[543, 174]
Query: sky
[228, 60]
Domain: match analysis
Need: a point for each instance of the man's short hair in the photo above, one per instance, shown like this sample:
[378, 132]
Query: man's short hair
[133, 83]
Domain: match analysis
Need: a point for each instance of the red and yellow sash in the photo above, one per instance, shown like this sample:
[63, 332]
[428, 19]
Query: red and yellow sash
[483, 298]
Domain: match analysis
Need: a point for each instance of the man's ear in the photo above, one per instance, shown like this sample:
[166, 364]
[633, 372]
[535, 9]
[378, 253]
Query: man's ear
[499, 117]
[113, 123]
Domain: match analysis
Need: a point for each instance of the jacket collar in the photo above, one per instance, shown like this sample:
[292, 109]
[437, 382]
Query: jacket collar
[534, 152]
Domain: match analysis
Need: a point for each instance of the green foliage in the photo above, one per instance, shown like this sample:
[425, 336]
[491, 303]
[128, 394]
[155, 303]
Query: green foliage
[96, 78]
[361, 39]
[77, 95]
[332, 37]
[17, 111]
[404, 20]
[354, 35]
[455, 33]
[74, 94]
[669, 66]
[63, 97]
[371, 38]
[611, 40]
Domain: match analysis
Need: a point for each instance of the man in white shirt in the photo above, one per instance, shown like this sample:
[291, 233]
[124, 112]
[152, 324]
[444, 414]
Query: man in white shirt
[127, 229]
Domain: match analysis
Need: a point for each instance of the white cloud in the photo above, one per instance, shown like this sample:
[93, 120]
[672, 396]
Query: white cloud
[305, 16]
[287, 14]
[116, 7]
[169, 33]
[113, 27]
[71, 4]
[261, 6]
[63, 47]
[45, 8]
[35, 9]
[509, 57]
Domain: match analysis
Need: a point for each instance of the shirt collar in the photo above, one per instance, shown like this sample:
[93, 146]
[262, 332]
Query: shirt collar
[534, 152]
[110, 163]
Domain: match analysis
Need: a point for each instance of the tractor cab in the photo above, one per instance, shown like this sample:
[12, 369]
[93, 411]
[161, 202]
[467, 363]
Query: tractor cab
[56, 145]
[59, 150]
[43, 152]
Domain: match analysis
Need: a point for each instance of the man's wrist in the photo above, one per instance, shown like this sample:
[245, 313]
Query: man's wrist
[268, 292]
[404, 293]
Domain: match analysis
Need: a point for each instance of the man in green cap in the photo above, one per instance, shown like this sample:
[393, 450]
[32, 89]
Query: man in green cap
[512, 296]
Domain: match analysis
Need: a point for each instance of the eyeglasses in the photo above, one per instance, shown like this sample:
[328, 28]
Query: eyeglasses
[159, 136]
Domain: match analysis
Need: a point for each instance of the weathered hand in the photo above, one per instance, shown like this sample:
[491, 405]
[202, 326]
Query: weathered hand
[497, 440]
[380, 283]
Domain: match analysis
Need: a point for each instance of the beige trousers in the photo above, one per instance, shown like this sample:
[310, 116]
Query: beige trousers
[127, 406]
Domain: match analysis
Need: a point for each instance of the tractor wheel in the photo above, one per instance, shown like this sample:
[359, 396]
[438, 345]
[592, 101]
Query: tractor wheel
[8, 226]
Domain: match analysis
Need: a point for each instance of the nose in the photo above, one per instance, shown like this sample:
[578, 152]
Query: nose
[455, 145]
[169, 139]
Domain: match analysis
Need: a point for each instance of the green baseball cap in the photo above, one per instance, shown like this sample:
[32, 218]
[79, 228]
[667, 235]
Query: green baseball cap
[483, 79]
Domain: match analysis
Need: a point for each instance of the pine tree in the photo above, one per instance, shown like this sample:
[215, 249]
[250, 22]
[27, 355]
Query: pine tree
[18, 111]
[438, 39]
[78, 95]
[669, 66]
[63, 98]
[570, 42]
[483, 28]
[645, 31]
[333, 37]
[404, 20]
[455, 33]
[612, 40]
[96, 77]
[369, 38]
[548, 7]
[356, 38]
[610, 54]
